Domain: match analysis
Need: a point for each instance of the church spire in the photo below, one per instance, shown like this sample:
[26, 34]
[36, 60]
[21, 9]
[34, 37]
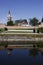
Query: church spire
[9, 12]
[9, 16]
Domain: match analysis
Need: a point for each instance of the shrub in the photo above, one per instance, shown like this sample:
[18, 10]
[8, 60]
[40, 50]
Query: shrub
[10, 23]
[5, 29]
[1, 29]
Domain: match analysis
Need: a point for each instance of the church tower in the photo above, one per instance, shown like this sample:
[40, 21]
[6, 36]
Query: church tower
[9, 16]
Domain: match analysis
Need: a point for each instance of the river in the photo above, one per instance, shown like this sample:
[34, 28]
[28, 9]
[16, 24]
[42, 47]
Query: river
[21, 57]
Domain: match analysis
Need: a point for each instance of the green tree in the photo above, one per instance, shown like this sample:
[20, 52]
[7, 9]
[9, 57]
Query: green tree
[33, 21]
[42, 20]
[10, 23]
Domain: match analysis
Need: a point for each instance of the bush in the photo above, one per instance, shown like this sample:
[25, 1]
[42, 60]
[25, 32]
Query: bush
[1, 29]
[10, 23]
[40, 30]
[5, 29]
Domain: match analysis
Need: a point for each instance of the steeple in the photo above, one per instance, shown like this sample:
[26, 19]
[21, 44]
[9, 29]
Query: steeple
[9, 12]
[9, 16]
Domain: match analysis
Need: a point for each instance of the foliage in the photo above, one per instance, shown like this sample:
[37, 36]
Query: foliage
[1, 30]
[33, 21]
[40, 29]
[42, 20]
[5, 29]
[10, 23]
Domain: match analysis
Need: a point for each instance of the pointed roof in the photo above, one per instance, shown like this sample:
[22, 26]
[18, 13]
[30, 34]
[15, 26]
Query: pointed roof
[9, 12]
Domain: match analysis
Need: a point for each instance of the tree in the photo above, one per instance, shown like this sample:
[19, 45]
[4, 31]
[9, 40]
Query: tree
[10, 23]
[33, 21]
[42, 20]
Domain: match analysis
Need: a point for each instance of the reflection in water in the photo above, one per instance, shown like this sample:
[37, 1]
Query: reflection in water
[20, 57]
[42, 53]
[33, 52]
[10, 51]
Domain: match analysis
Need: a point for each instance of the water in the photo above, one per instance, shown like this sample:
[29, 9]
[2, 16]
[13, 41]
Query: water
[21, 57]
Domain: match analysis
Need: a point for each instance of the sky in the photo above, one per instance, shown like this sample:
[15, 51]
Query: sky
[21, 9]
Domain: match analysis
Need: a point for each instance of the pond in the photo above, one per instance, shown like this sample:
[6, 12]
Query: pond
[21, 57]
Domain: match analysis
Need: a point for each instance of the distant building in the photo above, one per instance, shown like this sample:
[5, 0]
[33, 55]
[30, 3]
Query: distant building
[21, 22]
[9, 17]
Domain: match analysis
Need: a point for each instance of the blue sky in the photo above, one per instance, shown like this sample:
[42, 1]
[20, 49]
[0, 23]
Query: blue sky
[21, 9]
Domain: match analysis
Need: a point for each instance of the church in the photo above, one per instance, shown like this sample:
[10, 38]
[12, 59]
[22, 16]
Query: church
[22, 24]
[19, 22]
